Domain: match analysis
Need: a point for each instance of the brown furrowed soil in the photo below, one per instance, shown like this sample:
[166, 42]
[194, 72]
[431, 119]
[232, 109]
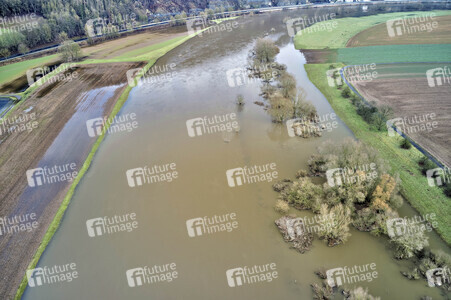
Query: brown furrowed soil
[410, 96]
[378, 35]
[61, 109]
[119, 46]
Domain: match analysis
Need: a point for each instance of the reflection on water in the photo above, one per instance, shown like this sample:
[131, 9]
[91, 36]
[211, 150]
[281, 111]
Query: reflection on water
[200, 89]
[4, 105]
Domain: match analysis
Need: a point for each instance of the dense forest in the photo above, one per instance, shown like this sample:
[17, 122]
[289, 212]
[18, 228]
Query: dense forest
[28, 24]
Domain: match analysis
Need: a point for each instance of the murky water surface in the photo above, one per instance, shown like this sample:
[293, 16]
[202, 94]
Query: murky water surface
[200, 88]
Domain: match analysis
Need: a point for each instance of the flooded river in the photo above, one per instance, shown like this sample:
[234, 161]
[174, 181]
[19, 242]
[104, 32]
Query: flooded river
[200, 88]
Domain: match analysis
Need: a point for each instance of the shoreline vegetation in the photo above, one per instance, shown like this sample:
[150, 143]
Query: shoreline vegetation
[363, 204]
[285, 101]
[366, 195]
[151, 57]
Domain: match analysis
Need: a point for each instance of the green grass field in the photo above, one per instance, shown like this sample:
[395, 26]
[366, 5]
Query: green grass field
[315, 38]
[395, 53]
[414, 185]
[13, 71]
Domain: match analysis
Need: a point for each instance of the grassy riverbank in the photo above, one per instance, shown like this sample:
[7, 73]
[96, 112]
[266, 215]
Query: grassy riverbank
[414, 186]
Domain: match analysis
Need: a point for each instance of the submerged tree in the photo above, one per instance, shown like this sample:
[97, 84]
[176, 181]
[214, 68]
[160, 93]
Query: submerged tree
[303, 108]
[280, 108]
[406, 245]
[336, 230]
[265, 51]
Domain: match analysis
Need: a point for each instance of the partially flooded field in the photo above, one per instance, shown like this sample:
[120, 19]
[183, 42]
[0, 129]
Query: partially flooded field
[49, 134]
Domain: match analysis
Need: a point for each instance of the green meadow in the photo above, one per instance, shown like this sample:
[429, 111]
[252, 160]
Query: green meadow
[315, 37]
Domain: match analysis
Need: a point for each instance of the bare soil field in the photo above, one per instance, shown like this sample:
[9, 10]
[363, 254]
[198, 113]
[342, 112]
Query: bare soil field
[405, 88]
[117, 47]
[54, 105]
[378, 35]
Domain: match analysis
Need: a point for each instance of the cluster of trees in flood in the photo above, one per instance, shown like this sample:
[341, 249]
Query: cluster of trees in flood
[360, 191]
[284, 100]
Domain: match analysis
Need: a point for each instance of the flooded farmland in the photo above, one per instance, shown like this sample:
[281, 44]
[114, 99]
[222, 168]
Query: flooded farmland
[199, 87]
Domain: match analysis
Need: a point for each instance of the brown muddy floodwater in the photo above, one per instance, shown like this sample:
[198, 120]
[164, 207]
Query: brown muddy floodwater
[200, 88]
